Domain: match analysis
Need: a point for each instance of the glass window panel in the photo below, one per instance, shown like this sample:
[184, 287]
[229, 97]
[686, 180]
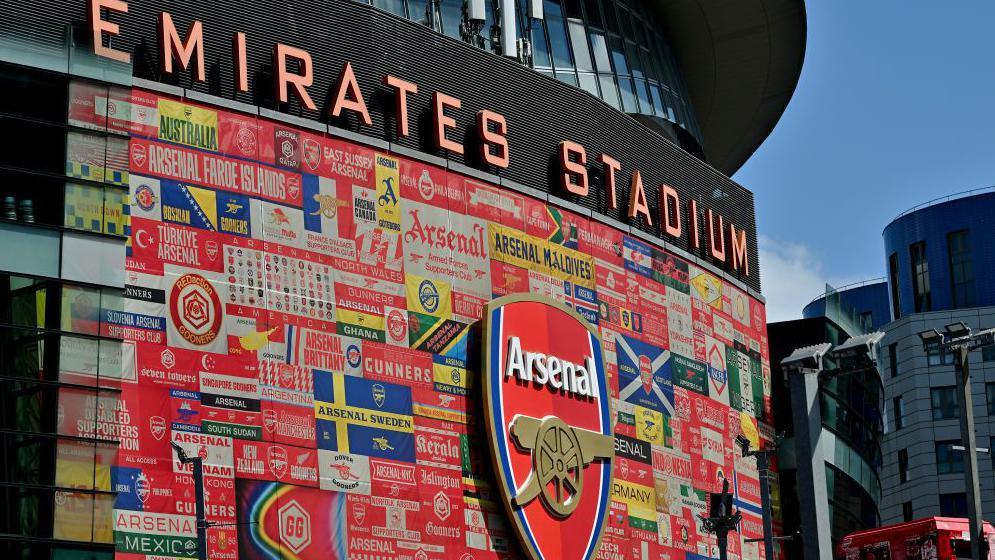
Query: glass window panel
[618, 56]
[26, 457]
[418, 11]
[657, 100]
[110, 369]
[93, 260]
[521, 19]
[948, 461]
[116, 161]
[572, 9]
[119, 108]
[954, 505]
[903, 465]
[556, 28]
[624, 27]
[668, 100]
[567, 77]
[490, 24]
[600, 48]
[893, 284]
[89, 361]
[87, 105]
[611, 20]
[944, 403]
[27, 299]
[920, 277]
[79, 360]
[47, 91]
[990, 398]
[632, 55]
[77, 412]
[112, 300]
[578, 40]
[452, 14]
[73, 516]
[540, 49]
[589, 83]
[36, 146]
[85, 155]
[103, 518]
[644, 100]
[392, 6]
[628, 95]
[646, 36]
[592, 11]
[609, 92]
[110, 416]
[961, 269]
[651, 67]
[898, 410]
[933, 355]
[84, 207]
[74, 464]
[104, 459]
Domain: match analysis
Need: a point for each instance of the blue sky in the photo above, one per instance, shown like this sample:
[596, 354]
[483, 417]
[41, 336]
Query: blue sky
[895, 106]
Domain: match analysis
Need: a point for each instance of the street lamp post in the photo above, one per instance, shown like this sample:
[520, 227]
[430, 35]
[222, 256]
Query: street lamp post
[198, 491]
[958, 339]
[721, 519]
[804, 370]
[763, 470]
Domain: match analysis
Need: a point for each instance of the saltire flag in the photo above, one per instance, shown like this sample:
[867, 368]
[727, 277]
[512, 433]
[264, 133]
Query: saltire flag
[644, 375]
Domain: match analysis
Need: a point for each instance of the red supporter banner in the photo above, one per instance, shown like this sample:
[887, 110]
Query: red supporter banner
[261, 460]
[169, 161]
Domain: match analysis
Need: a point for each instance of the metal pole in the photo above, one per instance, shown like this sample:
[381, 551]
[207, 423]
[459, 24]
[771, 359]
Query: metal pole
[764, 472]
[970, 451]
[722, 537]
[807, 416]
[198, 491]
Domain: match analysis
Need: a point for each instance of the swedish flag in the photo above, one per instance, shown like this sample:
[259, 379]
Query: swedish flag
[364, 417]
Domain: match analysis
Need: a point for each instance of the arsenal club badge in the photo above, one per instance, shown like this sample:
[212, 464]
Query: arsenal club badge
[549, 422]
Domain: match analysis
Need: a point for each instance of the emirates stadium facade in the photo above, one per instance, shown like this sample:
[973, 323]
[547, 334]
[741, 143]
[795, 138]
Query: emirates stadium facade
[264, 235]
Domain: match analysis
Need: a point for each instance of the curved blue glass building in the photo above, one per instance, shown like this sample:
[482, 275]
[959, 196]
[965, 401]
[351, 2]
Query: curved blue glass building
[939, 257]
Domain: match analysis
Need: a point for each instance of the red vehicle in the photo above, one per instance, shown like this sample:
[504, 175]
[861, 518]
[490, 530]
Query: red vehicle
[932, 538]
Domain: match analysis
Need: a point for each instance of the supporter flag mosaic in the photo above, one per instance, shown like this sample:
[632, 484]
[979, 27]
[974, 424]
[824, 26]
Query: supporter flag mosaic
[303, 313]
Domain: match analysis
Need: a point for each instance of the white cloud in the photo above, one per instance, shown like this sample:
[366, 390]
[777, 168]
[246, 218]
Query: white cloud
[791, 276]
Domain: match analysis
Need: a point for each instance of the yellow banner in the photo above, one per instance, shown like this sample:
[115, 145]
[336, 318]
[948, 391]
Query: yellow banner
[649, 425]
[450, 379]
[343, 315]
[639, 498]
[514, 247]
[388, 194]
[428, 296]
[749, 430]
[188, 125]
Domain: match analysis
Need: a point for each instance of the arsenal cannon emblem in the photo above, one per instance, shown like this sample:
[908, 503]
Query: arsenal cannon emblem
[549, 423]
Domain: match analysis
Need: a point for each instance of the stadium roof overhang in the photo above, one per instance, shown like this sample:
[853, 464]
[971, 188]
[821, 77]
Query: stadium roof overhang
[741, 60]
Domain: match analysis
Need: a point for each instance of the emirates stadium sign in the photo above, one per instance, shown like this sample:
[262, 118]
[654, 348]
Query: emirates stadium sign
[549, 420]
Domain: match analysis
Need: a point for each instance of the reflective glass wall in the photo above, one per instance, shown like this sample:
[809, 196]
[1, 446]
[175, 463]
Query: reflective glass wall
[64, 218]
[611, 49]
